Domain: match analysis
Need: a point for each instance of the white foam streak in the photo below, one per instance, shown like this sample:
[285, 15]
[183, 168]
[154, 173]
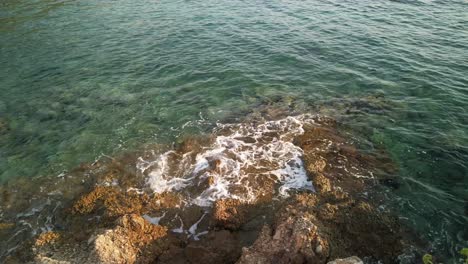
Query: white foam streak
[154, 220]
[193, 229]
[181, 228]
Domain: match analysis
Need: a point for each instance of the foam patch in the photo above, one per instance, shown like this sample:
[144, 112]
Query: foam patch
[244, 161]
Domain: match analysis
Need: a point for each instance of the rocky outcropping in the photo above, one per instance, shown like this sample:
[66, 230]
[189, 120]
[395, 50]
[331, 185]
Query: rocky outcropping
[111, 218]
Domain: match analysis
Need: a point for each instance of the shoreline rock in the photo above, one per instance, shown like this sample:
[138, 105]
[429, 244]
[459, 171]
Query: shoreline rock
[103, 222]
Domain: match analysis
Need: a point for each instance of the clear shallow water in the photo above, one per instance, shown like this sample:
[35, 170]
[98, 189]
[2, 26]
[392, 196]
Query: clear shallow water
[83, 78]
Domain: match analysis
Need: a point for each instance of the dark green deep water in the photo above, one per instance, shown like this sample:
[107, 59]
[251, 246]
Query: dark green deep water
[83, 78]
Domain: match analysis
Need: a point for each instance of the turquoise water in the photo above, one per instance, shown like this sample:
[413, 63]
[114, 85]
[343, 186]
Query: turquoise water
[83, 78]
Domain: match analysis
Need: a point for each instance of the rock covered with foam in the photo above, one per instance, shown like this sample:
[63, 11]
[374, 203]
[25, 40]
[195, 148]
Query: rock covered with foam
[244, 161]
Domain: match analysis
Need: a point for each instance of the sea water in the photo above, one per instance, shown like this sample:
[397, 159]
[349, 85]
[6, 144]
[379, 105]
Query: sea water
[82, 79]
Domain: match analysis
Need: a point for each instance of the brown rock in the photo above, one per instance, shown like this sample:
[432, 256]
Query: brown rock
[294, 240]
[322, 183]
[110, 247]
[165, 200]
[113, 202]
[317, 166]
[229, 213]
[130, 241]
[47, 238]
[309, 200]
[327, 211]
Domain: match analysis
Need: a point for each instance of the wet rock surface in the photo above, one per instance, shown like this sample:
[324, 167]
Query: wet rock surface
[293, 240]
[229, 213]
[350, 260]
[105, 212]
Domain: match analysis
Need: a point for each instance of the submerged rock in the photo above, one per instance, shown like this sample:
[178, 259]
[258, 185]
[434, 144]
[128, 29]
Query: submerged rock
[4, 126]
[373, 104]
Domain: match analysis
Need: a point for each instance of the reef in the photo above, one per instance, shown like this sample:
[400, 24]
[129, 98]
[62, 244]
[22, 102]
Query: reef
[292, 190]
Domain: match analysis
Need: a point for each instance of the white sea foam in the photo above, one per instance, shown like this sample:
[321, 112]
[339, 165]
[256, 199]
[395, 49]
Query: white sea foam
[193, 229]
[160, 179]
[154, 220]
[181, 228]
[241, 159]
